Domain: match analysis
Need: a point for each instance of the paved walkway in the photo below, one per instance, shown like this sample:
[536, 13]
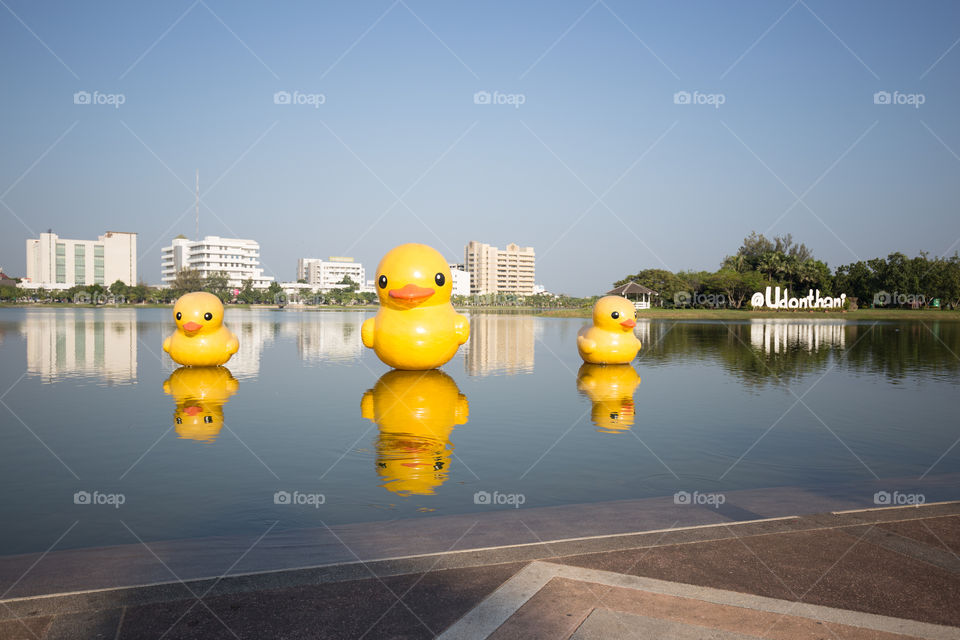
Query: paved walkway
[876, 573]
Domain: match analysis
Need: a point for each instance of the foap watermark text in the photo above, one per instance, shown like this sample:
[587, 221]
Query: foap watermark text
[695, 299]
[299, 98]
[498, 97]
[97, 98]
[899, 98]
[897, 499]
[513, 499]
[700, 499]
[298, 498]
[696, 97]
[97, 498]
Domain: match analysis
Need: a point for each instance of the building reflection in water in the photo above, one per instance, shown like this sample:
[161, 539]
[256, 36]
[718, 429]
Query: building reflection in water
[777, 336]
[334, 337]
[254, 335]
[200, 393]
[84, 343]
[642, 331]
[501, 344]
[416, 411]
[610, 387]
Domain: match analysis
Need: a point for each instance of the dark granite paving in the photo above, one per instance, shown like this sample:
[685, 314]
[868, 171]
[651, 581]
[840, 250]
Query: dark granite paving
[831, 568]
[409, 606]
[940, 533]
[898, 563]
[562, 607]
[24, 628]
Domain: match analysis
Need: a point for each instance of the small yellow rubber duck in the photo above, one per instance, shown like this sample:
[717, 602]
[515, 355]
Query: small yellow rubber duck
[416, 412]
[610, 340]
[416, 327]
[200, 340]
[200, 393]
[610, 388]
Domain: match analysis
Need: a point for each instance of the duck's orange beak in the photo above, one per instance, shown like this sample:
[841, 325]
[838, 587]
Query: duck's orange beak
[192, 411]
[628, 323]
[412, 292]
[192, 326]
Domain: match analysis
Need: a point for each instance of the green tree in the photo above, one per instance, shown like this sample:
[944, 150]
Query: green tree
[119, 290]
[187, 281]
[218, 284]
[247, 293]
[736, 287]
[665, 283]
[351, 286]
[272, 294]
[96, 292]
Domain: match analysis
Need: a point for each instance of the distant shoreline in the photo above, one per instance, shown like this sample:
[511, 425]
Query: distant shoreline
[743, 314]
[662, 314]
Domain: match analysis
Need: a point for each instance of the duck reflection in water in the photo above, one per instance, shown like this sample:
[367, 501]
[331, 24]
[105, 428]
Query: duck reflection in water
[200, 393]
[416, 411]
[610, 388]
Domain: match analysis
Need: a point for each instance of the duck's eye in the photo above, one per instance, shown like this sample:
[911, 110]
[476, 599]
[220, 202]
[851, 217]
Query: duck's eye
[382, 465]
[179, 420]
[615, 315]
[438, 465]
[440, 279]
[208, 419]
[382, 281]
[179, 315]
[208, 316]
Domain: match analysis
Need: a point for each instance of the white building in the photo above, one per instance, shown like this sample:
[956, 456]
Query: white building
[57, 263]
[327, 274]
[237, 257]
[460, 279]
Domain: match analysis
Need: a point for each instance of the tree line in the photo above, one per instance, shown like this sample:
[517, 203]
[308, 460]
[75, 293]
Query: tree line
[894, 281]
[188, 280]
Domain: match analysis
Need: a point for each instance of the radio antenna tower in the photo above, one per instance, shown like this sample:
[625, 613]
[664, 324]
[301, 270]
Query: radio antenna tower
[197, 206]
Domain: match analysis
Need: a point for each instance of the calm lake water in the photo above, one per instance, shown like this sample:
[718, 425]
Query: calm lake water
[306, 414]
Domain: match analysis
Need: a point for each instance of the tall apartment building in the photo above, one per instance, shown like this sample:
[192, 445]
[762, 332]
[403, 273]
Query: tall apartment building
[493, 270]
[325, 274]
[57, 263]
[237, 257]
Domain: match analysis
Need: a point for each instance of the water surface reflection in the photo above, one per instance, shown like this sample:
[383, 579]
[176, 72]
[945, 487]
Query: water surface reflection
[416, 411]
[610, 388]
[200, 393]
[82, 343]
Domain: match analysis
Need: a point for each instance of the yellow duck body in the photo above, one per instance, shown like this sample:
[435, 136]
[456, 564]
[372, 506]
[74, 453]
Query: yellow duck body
[416, 412]
[610, 387]
[200, 393]
[201, 339]
[416, 327]
[610, 340]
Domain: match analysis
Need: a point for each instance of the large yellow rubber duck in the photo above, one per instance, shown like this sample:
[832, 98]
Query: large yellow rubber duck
[416, 412]
[610, 388]
[200, 340]
[610, 340]
[416, 327]
[200, 393]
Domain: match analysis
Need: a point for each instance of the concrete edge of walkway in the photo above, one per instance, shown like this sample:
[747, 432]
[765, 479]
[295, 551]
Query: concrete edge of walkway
[498, 607]
[136, 595]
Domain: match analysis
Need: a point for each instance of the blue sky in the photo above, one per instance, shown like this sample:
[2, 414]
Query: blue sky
[599, 169]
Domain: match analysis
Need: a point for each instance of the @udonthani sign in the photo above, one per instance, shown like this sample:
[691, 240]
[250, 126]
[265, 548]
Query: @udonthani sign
[774, 300]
